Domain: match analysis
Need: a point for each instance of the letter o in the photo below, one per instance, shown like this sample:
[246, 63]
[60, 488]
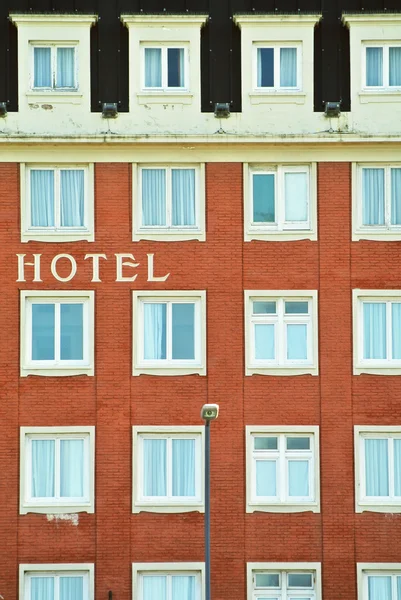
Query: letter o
[73, 267]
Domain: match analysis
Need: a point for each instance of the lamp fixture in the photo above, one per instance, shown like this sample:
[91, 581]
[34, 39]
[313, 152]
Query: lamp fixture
[222, 110]
[3, 109]
[332, 109]
[109, 110]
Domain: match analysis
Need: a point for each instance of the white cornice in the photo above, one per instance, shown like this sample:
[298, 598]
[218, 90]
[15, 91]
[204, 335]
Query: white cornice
[260, 20]
[30, 19]
[185, 20]
[371, 19]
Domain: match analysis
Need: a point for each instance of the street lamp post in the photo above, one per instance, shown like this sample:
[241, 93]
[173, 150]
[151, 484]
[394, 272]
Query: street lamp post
[209, 412]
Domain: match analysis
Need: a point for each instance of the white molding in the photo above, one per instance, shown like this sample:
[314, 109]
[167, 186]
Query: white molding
[167, 568]
[285, 566]
[85, 568]
[362, 19]
[380, 568]
[156, 21]
[280, 20]
[55, 19]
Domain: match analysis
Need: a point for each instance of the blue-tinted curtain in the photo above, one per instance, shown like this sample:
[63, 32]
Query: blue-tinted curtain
[376, 467]
[71, 468]
[154, 330]
[296, 196]
[264, 341]
[72, 192]
[183, 587]
[153, 68]
[43, 331]
[396, 329]
[71, 588]
[288, 67]
[153, 197]
[72, 331]
[397, 468]
[379, 587]
[396, 196]
[42, 588]
[43, 468]
[266, 478]
[183, 331]
[42, 68]
[265, 66]
[175, 67]
[154, 587]
[154, 467]
[395, 66]
[398, 588]
[65, 68]
[183, 467]
[298, 478]
[373, 196]
[374, 330]
[42, 198]
[263, 197]
[183, 196]
[297, 342]
[374, 67]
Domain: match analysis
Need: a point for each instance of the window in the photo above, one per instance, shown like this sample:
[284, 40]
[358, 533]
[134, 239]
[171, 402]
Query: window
[378, 473]
[379, 581]
[284, 581]
[281, 332]
[377, 335]
[56, 582]
[169, 204]
[278, 67]
[58, 203]
[382, 66]
[54, 68]
[57, 333]
[280, 202]
[57, 469]
[282, 469]
[168, 581]
[169, 333]
[164, 68]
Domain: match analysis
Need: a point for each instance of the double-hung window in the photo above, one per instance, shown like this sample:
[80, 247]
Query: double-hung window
[165, 68]
[382, 66]
[56, 582]
[284, 581]
[168, 467]
[54, 67]
[168, 581]
[57, 333]
[278, 68]
[379, 581]
[281, 332]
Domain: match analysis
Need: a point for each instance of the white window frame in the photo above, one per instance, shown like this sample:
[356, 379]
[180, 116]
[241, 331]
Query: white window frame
[166, 366]
[57, 233]
[373, 366]
[283, 504]
[53, 60]
[378, 569]
[54, 367]
[276, 46]
[386, 87]
[281, 230]
[386, 232]
[165, 504]
[283, 568]
[282, 366]
[168, 233]
[26, 571]
[167, 568]
[164, 46]
[56, 505]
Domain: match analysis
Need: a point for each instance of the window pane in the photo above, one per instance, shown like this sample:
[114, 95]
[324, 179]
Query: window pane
[267, 580]
[296, 196]
[183, 196]
[397, 468]
[374, 67]
[154, 586]
[153, 67]
[266, 478]
[379, 587]
[395, 66]
[264, 308]
[154, 468]
[265, 60]
[298, 443]
[184, 587]
[72, 331]
[72, 468]
[175, 67]
[263, 198]
[43, 331]
[183, 467]
[153, 197]
[183, 331]
[154, 331]
[43, 468]
[398, 588]
[396, 329]
[298, 478]
[374, 330]
[376, 467]
[264, 342]
[42, 76]
[296, 308]
[42, 588]
[42, 198]
[72, 183]
[297, 342]
[300, 580]
[396, 196]
[266, 443]
[373, 196]
[288, 67]
[71, 588]
[65, 68]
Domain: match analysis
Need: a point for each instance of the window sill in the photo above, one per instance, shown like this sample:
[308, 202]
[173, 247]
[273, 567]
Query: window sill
[378, 508]
[367, 97]
[377, 370]
[167, 508]
[277, 97]
[169, 371]
[53, 236]
[54, 509]
[280, 236]
[50, 97]
[282, 371]
[56, 371]
[164, 98]
[284, 508]
[169, 236]
[378, 236]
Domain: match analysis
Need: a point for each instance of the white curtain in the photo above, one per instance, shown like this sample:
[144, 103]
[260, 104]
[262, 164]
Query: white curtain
[379, 587]
[298, 478]
[42, 198]
[396, 329]
[72, 184]
[65, 68]
[373, 196]
[183, 467]
[153, 197]
[42, 588]
[43, 468]
[154, 587]
[296, 196]
[42, 70]
[397, 472]
[297, 342]
[266, 478]
[398, 588]
[183, 196]
[154, 467]
[264, 342]
[374, 67]
[376, 467]
[72, 468]
[184, 587]
[175, 67]
[153, 68]
[265, 65]
[154, 330]
[71, 588]
[288, 67]
[396, 198]
[374, 330]
[395, 66]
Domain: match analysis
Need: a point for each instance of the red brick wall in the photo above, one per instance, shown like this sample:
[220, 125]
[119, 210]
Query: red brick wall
[113, 400]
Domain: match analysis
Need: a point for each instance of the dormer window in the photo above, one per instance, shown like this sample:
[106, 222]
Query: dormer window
[164, 68]
[277, 67]
[54, 68]
[383, 66]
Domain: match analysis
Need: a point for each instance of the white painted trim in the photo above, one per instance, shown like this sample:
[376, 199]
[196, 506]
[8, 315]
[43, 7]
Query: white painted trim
[283, 507]
[381, 568]
[285, 566]
[259, 20]
[367, 18]
[167, 568]
[56, 19]
[84, 568]
[185, 20]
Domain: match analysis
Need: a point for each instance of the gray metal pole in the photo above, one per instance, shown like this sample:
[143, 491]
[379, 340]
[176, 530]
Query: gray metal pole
[207, 508]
